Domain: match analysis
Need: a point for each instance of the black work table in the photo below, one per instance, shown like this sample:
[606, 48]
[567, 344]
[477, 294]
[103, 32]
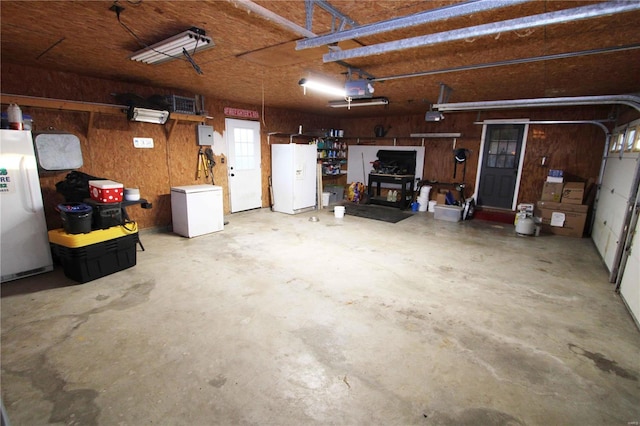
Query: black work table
[406, 189]
[123, 208]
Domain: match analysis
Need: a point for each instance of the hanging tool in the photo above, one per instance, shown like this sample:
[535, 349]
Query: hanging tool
[202, 164]
[206, 161]
[211, 161]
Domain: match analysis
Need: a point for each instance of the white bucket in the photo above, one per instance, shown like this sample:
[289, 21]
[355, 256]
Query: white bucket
[432, 205]
[325, 198]
[424, 191]
[338, 211]
[422, 207]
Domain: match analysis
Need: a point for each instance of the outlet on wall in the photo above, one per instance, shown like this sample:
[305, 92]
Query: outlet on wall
[143, 142]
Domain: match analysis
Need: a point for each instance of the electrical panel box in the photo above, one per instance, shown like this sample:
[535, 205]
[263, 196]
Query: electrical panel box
[205, 135]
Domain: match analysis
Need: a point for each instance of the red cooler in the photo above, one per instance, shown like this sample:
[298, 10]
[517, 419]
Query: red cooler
[106, 191]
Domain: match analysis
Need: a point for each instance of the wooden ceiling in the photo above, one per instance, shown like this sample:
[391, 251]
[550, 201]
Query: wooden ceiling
[254, 60]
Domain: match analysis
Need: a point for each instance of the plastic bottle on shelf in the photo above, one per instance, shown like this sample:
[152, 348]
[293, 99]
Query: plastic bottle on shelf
[14, 117]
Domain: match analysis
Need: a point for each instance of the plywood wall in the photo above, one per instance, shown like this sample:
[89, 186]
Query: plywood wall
[108, 147]
[576, 149]
[108, 150]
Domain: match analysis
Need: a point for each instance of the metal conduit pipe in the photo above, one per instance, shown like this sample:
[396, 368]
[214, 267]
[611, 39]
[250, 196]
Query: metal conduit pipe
[629, 100]
[512, 62]
[559, 17]
[434, 15]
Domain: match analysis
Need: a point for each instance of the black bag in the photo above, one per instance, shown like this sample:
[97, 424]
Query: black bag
[75, 186]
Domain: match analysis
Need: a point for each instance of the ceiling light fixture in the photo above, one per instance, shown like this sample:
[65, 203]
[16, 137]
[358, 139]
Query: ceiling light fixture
[147, 115]
[193, 40]
[321, 87]
[349, 103]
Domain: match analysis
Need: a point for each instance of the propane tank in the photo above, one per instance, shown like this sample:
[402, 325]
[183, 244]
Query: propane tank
[525, 224]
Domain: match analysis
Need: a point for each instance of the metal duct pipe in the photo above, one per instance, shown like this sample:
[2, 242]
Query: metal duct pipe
[559, 17]
[462, 9]
[629, 100]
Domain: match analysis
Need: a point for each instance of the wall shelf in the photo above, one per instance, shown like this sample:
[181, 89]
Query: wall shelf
[91, 108]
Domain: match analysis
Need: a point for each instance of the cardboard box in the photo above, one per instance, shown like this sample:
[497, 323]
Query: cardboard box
[573, 193]
[552, 192]
[441, 199]
[570, 218]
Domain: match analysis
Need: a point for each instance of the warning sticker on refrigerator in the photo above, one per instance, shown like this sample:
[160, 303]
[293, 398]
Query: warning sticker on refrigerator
[5, 181]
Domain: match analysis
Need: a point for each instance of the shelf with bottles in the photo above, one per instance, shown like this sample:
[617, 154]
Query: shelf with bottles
[331, 148]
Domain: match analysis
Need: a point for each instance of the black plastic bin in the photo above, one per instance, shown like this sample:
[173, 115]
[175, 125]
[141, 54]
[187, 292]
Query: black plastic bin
[86, 257]
[76, 217]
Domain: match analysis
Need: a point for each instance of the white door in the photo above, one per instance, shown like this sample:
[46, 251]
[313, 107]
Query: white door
[614, 196]
[630, 282]
[243, 154]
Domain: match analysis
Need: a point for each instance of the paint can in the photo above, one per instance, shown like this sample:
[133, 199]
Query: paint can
[338, 211]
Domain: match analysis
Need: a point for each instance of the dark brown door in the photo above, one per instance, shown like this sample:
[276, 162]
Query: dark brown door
[500, 161]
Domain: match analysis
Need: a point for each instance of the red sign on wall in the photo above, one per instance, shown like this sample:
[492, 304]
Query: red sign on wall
[242, 113]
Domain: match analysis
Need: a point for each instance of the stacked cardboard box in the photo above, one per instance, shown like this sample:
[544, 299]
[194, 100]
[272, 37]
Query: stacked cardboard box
[561, 208]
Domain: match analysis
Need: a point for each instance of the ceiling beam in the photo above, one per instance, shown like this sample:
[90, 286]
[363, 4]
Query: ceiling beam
[433, 15]
[559, 17]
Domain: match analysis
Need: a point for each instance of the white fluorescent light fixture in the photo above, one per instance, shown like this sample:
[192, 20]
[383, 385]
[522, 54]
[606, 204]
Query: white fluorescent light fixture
[148, 115]
[349, 103]
[193, 41]
[322, 87]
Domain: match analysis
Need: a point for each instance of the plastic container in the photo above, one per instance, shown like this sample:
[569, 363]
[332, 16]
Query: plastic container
[325, 198]
[106, 191]
[76, 217]
[338, 211]
[448, 213]
[14, 116]
[131, 194]
[88, 257]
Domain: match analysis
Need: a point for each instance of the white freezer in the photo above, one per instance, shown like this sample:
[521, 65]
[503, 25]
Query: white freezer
[24, 243]
[293, 177]
[196, 210]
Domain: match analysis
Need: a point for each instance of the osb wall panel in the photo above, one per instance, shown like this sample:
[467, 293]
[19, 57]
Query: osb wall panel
[576, 149]
[108, 150]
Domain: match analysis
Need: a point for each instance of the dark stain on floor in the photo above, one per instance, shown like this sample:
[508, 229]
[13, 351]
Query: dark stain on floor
[603, 363]
[474, 416]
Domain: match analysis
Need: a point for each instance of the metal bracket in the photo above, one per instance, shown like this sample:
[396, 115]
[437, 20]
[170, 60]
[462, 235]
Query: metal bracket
[339, 20]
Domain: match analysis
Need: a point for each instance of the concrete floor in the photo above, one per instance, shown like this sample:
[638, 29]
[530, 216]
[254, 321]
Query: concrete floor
[281, 321]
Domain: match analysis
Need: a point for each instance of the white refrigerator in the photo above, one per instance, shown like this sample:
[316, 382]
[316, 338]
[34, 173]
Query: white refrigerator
[293, 177]
[24, 242]
[196, 210]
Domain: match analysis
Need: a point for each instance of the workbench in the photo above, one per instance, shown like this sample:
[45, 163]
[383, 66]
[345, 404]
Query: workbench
[406, 189]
